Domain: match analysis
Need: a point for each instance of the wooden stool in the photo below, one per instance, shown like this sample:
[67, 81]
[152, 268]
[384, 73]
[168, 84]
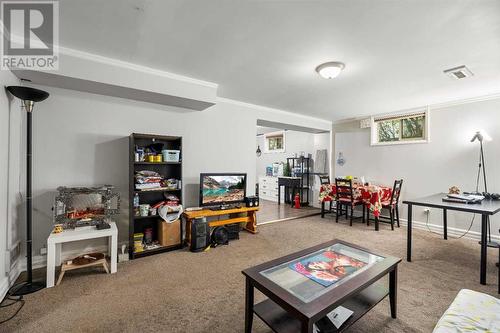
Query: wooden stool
[83, 261]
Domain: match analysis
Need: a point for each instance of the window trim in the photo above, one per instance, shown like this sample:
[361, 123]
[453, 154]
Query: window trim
[274, 134]
[374, 128]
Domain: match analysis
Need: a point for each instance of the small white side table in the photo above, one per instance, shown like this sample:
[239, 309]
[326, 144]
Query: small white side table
[55, 241]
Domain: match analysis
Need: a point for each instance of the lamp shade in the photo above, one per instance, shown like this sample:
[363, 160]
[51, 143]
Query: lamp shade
[28, 94]
[481, 136]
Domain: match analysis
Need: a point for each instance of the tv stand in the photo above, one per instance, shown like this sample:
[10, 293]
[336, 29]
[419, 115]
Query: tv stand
[245, 215]
[224, 207]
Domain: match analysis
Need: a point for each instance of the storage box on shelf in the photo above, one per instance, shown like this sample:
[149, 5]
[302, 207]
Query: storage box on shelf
[161, 164]
[169, 233]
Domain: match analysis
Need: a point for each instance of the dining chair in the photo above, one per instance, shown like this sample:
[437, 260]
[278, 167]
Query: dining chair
[345, 197]
[324, 179]
[393, 202]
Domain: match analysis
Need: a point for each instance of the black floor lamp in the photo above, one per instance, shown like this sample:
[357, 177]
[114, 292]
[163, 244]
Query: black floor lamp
[29, 97]
[481, 136]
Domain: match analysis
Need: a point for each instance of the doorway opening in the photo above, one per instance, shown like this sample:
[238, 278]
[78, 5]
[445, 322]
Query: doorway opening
[289, 160]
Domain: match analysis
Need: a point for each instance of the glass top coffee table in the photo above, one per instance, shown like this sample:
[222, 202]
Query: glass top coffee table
[303, 287]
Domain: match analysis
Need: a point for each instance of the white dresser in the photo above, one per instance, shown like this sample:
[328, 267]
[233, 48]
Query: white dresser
[268, 188]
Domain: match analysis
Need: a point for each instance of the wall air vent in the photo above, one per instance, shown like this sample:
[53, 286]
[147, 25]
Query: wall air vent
[460, 72]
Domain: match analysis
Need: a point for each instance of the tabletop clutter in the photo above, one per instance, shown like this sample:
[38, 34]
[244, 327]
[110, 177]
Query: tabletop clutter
[283, 169]
[454, 195]
[83, 261]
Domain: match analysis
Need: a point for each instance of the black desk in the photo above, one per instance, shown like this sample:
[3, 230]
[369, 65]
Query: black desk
[485, 209]
[288, 182]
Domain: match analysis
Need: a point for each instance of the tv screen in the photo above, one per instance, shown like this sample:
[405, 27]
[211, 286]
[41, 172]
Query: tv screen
[219, 188]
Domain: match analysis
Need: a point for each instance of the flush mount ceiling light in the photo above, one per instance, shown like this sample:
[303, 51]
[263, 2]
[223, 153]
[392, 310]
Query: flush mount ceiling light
[330, 70]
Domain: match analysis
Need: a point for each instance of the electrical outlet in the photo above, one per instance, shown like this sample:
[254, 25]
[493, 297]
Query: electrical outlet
[43, 251]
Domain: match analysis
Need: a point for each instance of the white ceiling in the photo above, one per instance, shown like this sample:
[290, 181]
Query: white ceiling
[265, 52]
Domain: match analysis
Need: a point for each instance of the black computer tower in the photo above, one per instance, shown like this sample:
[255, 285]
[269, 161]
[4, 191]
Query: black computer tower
[200, 234]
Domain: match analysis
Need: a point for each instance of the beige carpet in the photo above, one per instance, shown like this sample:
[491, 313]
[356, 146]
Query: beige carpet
[204, 292]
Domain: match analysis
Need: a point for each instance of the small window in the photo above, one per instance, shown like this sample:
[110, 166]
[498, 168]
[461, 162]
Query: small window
[406, 128]
[274, 142]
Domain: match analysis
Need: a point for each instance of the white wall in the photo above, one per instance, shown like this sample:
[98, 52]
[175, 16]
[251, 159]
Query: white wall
[449, 159]
[321, 141]
[82, 139]
[295, 142]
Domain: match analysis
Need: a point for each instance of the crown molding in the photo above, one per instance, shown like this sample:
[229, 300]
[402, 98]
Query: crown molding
[120, 63]
[269, 109]
[430, 107]
[455, 102]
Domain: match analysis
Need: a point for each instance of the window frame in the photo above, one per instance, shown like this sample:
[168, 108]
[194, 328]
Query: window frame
[273, 135]
[374, 128]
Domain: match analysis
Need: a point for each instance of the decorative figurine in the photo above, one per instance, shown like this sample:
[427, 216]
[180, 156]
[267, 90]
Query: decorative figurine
[454, 190]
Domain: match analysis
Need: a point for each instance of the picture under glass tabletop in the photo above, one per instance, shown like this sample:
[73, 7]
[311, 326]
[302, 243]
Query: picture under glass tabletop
[319, 272]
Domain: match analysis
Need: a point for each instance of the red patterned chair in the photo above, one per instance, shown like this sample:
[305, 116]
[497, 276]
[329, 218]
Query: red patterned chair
[345, 198]
[392, 204]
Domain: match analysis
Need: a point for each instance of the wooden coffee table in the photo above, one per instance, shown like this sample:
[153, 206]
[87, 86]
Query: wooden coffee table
[296, 301]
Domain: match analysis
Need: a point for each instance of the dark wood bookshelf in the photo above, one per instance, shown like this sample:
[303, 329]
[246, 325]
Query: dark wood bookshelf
[158, 190]
[156, 163]
[157, 250]
[147, 217]
[137, 224]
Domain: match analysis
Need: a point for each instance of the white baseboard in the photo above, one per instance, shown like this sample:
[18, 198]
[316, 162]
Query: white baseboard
[4, 286]
[40, 261]
[452, 232]
[9, 280]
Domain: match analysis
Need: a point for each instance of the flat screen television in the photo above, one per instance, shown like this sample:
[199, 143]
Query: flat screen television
[222, 188]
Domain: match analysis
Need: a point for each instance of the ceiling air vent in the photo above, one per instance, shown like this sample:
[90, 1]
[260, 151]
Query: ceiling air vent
[460, 72]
